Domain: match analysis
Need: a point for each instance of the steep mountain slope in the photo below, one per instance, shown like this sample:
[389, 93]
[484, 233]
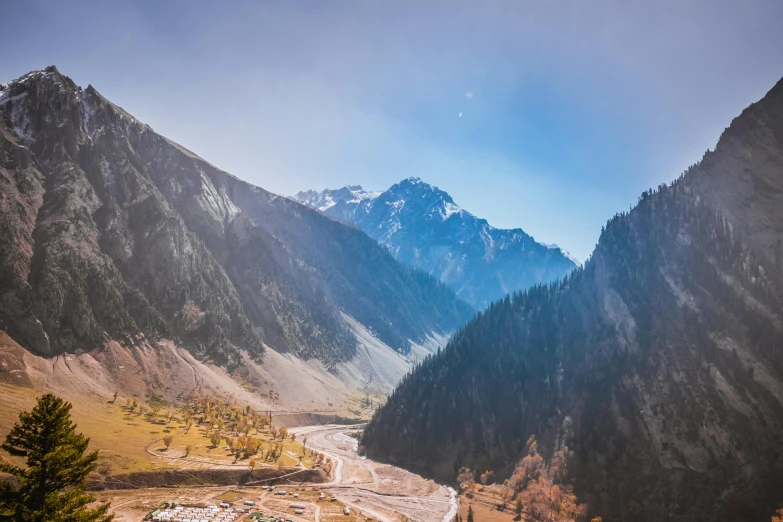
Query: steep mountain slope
[423, 228]
[658, 363]
[110, 231]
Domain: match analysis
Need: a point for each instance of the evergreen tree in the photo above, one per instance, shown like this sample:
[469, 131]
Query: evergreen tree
[51, 486]
[470, 514]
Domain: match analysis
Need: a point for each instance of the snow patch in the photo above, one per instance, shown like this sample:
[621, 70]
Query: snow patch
[363, 195]
[326, 203]
[216, 202]
[449, 209]
[111, 180]
[565, 253]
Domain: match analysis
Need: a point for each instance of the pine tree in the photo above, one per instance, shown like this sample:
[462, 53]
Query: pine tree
[51, 486]
[470, 514]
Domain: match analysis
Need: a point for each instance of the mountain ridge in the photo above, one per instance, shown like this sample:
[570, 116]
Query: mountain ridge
[423, 227]
[658, 359]
[115, 231]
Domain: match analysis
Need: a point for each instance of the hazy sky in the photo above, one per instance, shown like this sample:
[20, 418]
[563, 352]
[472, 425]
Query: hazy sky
[568, 109]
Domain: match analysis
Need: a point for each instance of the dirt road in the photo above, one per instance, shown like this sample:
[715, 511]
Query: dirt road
[380, 490]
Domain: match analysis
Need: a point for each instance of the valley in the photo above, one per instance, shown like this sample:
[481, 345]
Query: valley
[191, 347]
[359, 481]
[133, 454]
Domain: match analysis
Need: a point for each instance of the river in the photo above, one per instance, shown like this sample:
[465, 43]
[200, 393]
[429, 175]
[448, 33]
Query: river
[382, 491]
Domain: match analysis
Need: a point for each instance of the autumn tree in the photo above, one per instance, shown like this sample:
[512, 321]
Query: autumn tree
[465, 479]
[188, 449]
[51, 483]
[542, 498]
[167, 440]
[283, 433]
[778, 516]
[487, 477]
[253, 446]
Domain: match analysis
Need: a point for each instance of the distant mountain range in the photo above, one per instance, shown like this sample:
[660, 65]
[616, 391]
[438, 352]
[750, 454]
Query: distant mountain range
[423, 227]
[656, 369]
[109, 232]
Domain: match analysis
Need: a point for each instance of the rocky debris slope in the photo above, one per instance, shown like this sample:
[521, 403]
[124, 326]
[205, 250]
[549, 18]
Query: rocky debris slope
[423, 227]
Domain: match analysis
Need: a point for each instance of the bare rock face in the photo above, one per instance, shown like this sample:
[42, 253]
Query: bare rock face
[742, 178]
[423, 227]
[111, 231]
[663, 353]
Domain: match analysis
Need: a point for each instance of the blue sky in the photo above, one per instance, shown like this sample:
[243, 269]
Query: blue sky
[569, 109]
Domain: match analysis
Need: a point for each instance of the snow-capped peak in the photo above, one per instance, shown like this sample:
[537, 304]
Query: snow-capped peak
[325, 200]
[449, 209]
[422, 226]
[360, 194]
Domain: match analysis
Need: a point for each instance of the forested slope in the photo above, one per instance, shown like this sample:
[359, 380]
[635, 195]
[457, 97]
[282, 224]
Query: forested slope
[660, 361]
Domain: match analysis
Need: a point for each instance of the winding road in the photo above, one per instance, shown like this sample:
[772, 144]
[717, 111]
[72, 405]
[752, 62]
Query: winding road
[382, 491]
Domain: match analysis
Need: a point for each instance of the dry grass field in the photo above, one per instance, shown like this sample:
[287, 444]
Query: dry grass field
[486, 503]
[123, 437]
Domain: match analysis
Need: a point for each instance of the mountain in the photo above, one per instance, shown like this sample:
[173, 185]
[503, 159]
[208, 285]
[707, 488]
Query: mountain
[423, 227]
[658, 364]
[109, 232]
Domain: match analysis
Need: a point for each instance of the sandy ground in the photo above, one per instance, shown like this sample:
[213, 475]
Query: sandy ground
[382, 491]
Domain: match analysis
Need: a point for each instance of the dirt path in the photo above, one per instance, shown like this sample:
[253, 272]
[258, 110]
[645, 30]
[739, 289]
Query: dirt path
[379, 490]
